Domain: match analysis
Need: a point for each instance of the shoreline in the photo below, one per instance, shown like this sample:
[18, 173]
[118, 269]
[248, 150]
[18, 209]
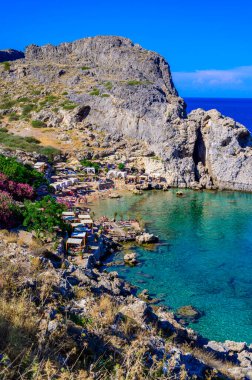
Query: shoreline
[133, 245]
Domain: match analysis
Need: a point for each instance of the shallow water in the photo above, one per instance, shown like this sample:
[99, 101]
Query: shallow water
[204, 259]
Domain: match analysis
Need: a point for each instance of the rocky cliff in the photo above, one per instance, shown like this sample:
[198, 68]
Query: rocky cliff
[10, 55]
[128, 93]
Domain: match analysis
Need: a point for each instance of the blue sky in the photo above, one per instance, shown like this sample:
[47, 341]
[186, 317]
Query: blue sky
[206, 42]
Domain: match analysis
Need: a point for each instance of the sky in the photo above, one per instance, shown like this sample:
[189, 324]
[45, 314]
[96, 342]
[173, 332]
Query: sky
[206, 42]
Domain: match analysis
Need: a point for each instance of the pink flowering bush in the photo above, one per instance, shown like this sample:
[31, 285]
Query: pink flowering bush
[9, 213]
[19, 191]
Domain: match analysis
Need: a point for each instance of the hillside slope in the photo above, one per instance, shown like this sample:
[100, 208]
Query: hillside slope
[127, 92]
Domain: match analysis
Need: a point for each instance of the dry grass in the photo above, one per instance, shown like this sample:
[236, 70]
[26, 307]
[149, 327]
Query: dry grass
[18, 324]
[104, 311]
[9, 237]
[209, 359]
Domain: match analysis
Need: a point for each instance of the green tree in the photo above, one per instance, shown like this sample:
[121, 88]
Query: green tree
[44, 215]
[121, 166]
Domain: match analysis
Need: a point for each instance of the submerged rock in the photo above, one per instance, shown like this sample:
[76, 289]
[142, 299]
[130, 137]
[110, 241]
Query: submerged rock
[189, 313]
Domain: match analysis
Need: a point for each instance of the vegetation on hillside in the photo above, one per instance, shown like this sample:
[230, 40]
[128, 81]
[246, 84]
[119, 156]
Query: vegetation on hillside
[44, 215]
[18, 172]
[28, 144]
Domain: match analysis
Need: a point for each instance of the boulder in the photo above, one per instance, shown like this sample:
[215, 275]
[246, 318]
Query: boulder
[130, 258]
[189, 313]
[146, 238]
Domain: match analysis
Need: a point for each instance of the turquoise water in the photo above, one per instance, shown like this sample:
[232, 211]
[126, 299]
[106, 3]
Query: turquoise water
[204, 259]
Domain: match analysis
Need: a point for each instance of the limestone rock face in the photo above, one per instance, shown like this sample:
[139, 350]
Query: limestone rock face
[127, 92]
[223, 151]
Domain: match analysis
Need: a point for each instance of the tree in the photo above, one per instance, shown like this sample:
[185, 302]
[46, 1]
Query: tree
[44, 215]
[121, 166]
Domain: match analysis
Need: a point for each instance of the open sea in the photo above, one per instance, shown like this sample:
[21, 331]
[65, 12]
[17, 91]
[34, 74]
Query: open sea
[238, 109]
[204, 258]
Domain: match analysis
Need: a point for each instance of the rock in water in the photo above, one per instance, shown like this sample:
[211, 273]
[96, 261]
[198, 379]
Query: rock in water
[130, 258]
[189, 313]
[146, 238]
[128, 91]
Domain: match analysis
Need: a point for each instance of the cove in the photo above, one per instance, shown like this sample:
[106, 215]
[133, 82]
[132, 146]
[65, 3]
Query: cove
[204, 258]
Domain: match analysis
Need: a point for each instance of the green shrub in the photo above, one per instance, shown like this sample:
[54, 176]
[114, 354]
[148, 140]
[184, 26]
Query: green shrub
[105, 95]
[27, 109]
[44, 215]
[3, 130]
[7, 104]
[134, 83]
[108, 85]
[49, 152]
[36, 92]
[82, 321]
[121, 166]
[13, 116]
[38, 124]
[85, 68]
[95, 92]
[51, 98]
[23, 100]
[32, 140]
[68, 105]
[65, 93]
[87, 163]
[6, 66]
[20, 173]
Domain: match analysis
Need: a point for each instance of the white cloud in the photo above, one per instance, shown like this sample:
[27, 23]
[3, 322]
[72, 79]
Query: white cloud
[237, 79]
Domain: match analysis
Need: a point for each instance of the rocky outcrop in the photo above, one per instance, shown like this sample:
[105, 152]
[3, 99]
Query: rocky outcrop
[10, 55]
[146, 238]
[223, 151]
[128, 92]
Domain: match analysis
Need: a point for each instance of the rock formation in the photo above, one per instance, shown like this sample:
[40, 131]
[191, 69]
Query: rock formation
[10, 55]
[128, 92]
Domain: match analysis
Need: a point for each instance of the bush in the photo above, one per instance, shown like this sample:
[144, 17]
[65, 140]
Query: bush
[105, 95]
[18, 172]
[85, 68]
[13, 116]
[9, 212]
[68, 105]
[121, 166]
[19, 191]
[134, 83]
[23, 100]
[95, 92]
[27, 109]
[6, 66]
[31, 140]
[90, 164]
[108, 85]
[7, 104]
[3, 130]
[44, 215]
[49, 152]
[38, 124]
